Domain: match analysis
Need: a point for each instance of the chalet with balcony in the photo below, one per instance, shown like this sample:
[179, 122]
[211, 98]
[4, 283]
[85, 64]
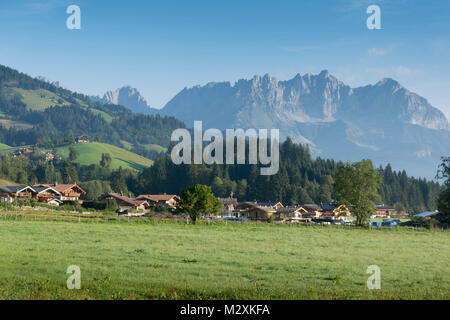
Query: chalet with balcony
[45, 193]
[386, 211]
[11, 193]
[329, 211]
[67, 192]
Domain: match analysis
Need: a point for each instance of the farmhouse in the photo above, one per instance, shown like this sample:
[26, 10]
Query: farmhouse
[10, 193]
[125, 203]
[49, 156]
[255, 211]
[330, 211]
[228, 206]
[161, 200]
[45, 194]
[67, 192]
[292, 214]
[383, 210]
[82, 139]
[311, 211]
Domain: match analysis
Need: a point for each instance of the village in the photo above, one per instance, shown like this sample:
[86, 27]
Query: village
[56, 195]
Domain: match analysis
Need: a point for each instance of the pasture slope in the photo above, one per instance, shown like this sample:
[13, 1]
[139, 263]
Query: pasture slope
[170, 260]
[91, 153]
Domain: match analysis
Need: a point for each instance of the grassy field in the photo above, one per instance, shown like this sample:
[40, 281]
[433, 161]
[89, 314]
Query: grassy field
[90, 153]
[40, 99]
[5, 182]
[4, 147]
[169, 260]
[20, 125]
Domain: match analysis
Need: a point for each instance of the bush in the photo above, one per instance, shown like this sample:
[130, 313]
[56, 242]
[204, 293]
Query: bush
[111, 205]
[96, 205]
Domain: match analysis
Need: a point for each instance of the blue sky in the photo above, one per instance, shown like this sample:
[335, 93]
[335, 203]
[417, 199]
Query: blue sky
[160, 47]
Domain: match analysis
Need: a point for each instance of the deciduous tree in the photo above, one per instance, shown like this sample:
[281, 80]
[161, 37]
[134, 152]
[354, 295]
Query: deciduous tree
[197, 201]
[356, 185]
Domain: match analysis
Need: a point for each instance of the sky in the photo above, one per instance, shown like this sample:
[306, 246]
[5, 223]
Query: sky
[161, 47]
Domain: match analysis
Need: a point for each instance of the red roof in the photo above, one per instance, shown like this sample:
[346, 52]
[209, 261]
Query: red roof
[157, 197]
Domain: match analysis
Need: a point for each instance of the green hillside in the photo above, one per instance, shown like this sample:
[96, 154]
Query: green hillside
[4, 147]
[91, 153]
[6, 182]
[39, 99]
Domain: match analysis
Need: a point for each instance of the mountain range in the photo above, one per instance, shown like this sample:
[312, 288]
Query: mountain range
[384, 122]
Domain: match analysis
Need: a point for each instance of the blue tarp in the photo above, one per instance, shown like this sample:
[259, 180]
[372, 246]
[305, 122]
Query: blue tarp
[376, 224]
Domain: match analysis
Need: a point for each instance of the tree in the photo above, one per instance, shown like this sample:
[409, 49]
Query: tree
[73, 153]
[106, 161]
[356, 185]
[444, 197]
[198, 200]
[68, 137]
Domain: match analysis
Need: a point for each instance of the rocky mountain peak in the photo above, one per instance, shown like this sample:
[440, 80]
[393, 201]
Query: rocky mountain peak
[129, 97]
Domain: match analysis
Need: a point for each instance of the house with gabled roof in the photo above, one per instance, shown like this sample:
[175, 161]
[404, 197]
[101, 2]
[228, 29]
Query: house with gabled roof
[45, 193]
[254, 211]
[10, 193]
[228, 206]
[334, 212]
[162, 200]
[68, 192]
[125, 203]
[383, 210]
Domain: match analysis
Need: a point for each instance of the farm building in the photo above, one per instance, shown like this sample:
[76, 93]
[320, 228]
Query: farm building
[82, 139]
[10, 193]
[45, 194]
[383, 210]
[254, 211]
[330, 211]
[68, 192]
[162, 200]
[228, 206]
[125, 203]
[428, 215]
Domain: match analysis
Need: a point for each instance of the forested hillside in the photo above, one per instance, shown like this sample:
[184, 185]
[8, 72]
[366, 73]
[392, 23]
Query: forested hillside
[32, 102]
[299, 180]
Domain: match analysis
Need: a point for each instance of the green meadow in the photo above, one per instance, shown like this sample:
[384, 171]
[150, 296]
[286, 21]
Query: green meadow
[91, 153]
[173, 260]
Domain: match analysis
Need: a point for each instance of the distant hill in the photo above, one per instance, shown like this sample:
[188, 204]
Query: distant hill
[4, 147]
[91, 153]
[384, 122]
[5, 182]
[36, 111]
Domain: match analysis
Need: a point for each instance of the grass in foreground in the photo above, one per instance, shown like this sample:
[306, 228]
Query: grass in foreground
[168, 260]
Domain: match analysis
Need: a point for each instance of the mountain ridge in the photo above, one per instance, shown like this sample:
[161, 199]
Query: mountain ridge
[374, 121]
